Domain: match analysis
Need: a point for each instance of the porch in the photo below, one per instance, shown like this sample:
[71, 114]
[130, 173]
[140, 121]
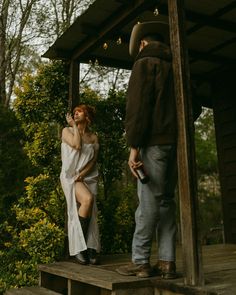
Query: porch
[69, 278]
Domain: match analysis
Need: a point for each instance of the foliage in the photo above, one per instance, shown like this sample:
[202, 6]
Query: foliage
[14, 164]
[40, 105]
[103, 79]
[15, 18]
[27, 27]
[58, 15]
[116, 218]
[35, 233]
[208, 179]
[206, 155]
[210, 209]
[110, 128]
[116, 198]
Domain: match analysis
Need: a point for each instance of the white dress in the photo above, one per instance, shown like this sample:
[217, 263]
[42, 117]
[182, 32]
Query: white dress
[74, 161]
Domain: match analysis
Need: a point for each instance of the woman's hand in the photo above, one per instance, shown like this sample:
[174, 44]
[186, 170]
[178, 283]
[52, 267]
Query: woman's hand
[79, 178]
[70, 120]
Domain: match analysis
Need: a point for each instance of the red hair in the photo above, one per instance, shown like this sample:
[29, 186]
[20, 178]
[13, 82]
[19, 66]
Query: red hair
[88, 110]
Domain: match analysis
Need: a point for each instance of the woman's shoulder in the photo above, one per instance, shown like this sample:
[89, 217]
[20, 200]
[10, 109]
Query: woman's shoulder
[91, 137]
[94, 138]
[65, 132]
[67, 129]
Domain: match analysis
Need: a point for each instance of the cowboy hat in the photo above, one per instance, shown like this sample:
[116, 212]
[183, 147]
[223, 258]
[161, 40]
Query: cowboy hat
[141, 30]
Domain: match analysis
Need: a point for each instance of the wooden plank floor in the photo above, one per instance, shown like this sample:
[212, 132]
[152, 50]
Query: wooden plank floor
[219, 263]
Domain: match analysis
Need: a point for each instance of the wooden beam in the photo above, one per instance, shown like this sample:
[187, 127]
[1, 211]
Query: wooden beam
[191, 248]
[198, 55]
[121, 17]
[202, 20]
[73, 85]
[88, 29]
[217, 14]
[194, 54]
[125, 1]
[210, 21]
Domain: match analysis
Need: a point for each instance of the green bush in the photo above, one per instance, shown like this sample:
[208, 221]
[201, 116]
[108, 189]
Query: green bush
[116, 219]
[35, 236]
[35, 232]
[14, 163]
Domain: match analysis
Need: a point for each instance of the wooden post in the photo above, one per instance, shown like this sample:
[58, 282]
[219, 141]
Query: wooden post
[72, 102]
[74, 85]
[191, 247]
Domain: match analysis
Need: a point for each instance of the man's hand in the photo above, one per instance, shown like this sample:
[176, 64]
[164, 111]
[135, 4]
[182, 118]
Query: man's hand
[133, 162]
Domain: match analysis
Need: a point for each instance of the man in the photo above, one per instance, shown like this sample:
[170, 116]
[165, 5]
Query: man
[151, 131]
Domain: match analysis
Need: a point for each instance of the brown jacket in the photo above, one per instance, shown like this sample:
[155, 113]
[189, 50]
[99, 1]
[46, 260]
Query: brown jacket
[150, 109]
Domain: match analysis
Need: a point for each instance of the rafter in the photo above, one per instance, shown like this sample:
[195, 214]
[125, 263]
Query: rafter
[217, 14]
[196, 55]
[204, 19]
[114, 23]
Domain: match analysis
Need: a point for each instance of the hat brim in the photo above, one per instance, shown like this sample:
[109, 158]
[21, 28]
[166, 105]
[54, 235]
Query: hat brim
[148, 28]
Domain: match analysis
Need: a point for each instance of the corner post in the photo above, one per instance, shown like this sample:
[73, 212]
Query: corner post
[191, 247]
[74, 84]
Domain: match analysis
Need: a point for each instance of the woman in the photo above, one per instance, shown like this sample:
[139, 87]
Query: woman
[79, 177]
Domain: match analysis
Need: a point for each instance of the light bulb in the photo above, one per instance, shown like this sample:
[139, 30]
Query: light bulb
[156, 11]
[119, 41]
[105, 46]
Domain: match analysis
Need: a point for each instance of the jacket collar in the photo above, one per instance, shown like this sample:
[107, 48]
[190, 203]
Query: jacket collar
[155, 49]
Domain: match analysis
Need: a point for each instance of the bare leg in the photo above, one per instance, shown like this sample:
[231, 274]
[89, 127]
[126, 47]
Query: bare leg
[84, 198]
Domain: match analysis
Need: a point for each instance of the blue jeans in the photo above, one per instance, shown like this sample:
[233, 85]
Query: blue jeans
[156, 209]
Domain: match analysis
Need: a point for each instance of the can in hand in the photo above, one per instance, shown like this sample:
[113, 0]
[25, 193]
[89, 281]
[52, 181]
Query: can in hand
[142, 175]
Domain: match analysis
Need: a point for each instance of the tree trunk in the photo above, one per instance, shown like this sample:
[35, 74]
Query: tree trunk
[3, 21]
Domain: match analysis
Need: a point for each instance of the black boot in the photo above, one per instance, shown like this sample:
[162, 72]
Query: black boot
[82, 257]
[93, 256]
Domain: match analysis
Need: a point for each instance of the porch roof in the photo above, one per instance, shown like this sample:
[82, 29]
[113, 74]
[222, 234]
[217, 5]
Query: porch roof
[210, 30]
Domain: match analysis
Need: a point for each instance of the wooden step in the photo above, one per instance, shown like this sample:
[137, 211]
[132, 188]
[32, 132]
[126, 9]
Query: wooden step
[35, 290]
[73, 279]
[90, 275]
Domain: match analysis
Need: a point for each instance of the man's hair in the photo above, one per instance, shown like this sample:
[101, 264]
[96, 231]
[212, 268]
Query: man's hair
[156, 37]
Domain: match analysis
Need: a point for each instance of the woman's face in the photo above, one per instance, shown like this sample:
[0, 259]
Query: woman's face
[79, 115]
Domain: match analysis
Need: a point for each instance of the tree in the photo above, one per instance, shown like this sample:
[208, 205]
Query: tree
[14, 163]
[14, 18]
[208, 179]
[35, 232]
[26, 28]
[64, 13]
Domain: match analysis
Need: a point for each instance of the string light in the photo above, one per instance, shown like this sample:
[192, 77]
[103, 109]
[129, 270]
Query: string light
[156, 11]
[105, 46]
[119, 41]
